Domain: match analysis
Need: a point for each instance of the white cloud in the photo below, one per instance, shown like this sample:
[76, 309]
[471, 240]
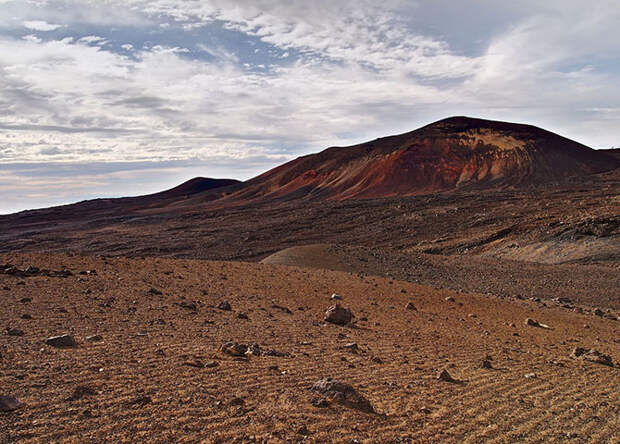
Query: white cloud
[293, 77]
[92, 40]
[41, 25]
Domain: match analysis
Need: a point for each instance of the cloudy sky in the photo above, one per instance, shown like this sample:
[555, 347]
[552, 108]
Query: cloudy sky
[109, 98]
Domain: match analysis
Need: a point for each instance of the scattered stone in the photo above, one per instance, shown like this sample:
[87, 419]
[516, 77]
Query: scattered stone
[242, 316]
[425, 410]
[224, 305]
[94, 338]
[195, 364]
[212, 364]
[14, 332]
[81, 391]
[25, 300]
[336, 297]
[352, 347]
[276, 353]
[253, 349]
[191, 306]
[141, 400]
[377, 360]
[63, 341]
[338, 315]
[9, 404]
[445, 376]
[486, 364]
[592, 356]
[26, 316]
[598, 312]
[533, 323]
[449, 299]
[281, 308]
[410, 306]
[342, 393]
[155, 291]
[319, 402]
[530, 375]
[237, 401]
[303, 430]
[234, 349]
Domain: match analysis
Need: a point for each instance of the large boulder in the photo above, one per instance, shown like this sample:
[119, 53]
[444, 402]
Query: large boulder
[62, 341]
[342, 393]
[338, 315]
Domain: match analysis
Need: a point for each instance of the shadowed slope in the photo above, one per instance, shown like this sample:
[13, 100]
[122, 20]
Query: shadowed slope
[194, 186]
[457, 152]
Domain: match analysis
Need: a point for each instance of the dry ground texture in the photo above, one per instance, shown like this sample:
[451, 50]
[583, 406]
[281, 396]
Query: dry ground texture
[137, 385]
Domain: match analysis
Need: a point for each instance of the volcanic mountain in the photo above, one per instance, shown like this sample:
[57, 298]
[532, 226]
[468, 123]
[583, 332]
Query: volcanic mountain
[454, 153]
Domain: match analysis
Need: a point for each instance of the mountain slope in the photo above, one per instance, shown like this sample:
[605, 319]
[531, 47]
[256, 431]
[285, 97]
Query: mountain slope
[452, 153]
[193, 186]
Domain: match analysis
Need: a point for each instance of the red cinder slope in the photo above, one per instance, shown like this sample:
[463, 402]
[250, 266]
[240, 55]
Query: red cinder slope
[453, 153]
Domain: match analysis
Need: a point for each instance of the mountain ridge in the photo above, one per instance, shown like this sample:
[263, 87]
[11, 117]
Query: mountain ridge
[451, 153]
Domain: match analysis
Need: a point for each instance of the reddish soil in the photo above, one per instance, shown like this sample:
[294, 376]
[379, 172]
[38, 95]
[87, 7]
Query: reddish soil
[480, 226]
[145, 381]
[579, 286]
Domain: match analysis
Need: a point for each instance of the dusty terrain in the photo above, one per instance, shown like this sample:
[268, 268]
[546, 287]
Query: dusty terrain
[585, 286]
[575, 221]
[157, 374]
[489, 252]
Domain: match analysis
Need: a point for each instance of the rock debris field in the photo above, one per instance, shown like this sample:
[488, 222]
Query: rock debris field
[97, 349]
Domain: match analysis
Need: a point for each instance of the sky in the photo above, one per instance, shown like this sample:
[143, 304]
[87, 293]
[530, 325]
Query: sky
[105, 98]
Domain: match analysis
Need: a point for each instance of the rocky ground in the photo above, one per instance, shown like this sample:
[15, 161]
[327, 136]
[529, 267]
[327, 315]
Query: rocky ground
[572, 286]
[189, 351]
[577, 221]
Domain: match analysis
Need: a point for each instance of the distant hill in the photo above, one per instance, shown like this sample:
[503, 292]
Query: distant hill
[453, 153]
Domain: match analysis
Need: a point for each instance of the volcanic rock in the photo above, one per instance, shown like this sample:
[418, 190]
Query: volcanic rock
[410, 306]
[253, 349]
[14, 332]
[94, 338]
[533, 323]
[445, 376]
[342, 393]
[592, 356]
[8, 404]
[234, 349]
[63, 341]
[224, 305]
[338, 315]
[188, 305]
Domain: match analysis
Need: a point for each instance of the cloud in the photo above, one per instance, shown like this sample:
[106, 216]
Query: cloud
[41, 25]
[171, 80]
